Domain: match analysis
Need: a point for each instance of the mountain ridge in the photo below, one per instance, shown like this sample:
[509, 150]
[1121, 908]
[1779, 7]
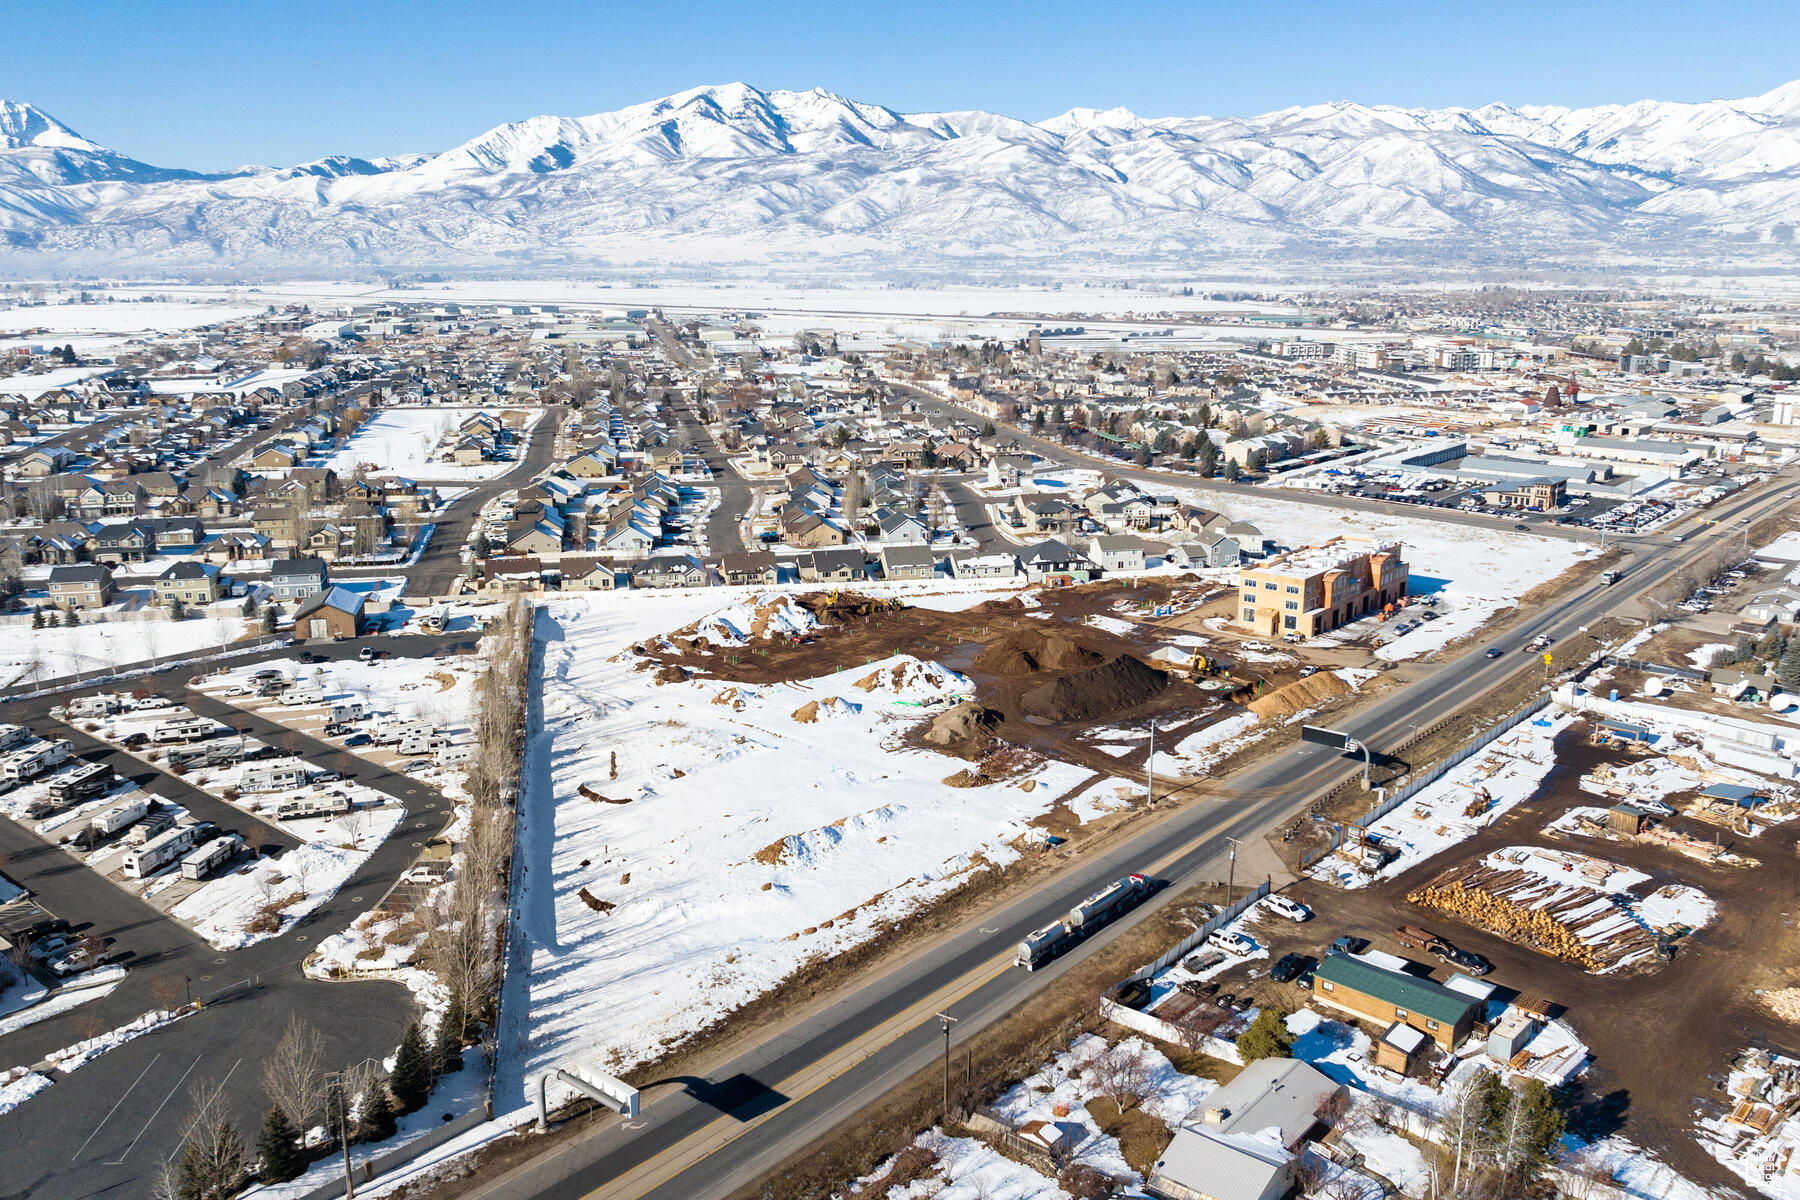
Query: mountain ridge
[734, 173]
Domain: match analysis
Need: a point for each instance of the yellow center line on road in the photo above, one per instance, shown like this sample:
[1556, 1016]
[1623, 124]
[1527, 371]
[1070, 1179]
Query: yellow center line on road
[724, 1130]
[803, 1083]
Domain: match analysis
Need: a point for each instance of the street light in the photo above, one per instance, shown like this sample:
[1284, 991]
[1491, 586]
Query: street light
[948, 1021]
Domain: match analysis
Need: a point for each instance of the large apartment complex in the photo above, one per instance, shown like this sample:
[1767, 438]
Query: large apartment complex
[1319, 588]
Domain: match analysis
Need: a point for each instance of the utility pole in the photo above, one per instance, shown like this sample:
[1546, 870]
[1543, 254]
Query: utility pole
[335, 1081]
[1231, 873]
[1150, 766]
[948, 1021]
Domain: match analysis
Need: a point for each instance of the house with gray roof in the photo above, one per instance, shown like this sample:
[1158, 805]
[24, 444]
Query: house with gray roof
[1248, 1139]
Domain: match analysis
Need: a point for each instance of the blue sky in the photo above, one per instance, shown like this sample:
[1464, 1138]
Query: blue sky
[212, 85]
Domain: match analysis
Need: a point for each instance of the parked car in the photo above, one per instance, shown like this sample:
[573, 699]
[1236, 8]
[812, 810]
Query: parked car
[1464, 960]
[1231, 942]
[358, 739]
[367, 653]
[1293, 910]
[1287, 966]
[1349, 944]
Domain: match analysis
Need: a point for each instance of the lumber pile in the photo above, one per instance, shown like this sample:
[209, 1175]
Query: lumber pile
[1568, 921]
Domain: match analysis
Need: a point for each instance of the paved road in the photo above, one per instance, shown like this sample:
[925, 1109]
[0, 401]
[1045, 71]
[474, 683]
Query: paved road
[441, 562]
[735, 492]
[103, 1129]
[723, 534]
[699, 1139]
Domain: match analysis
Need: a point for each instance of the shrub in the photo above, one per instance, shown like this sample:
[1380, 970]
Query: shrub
[1267, 1037]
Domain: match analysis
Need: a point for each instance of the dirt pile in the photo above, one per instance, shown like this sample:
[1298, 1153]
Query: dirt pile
[1123, 683]
[962, 727]
[815, 710]
[592, 792]
[837, 608]
[1298, 696]
[1029, 651]
[1001, 764]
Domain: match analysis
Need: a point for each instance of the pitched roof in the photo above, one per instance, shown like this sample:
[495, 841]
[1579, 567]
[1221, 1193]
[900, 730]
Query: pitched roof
[1398, 988]
[342, 599]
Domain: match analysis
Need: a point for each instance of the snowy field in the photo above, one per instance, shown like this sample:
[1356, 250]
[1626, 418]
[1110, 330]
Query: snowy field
[30, 655]
[410, 442]
[95, 327]
[742, 832]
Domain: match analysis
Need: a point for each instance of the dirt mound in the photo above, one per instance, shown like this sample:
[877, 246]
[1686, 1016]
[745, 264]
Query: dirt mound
[830, 706]
[1029, 651]
[1302, 694]
[829, 608]
[1123, 683]
[1002, 763]
[911, 676]
[966, 724]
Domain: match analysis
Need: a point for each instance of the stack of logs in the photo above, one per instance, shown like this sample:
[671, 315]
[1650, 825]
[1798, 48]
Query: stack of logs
[1525, 908]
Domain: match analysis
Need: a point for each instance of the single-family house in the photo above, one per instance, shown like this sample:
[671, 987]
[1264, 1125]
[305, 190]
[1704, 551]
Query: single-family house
[298, 578]
[190, 582]
[908, 562]
[1055, 563]
[82, 586]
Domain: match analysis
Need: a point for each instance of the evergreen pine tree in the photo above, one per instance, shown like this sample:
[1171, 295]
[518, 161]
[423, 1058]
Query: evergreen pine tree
[37, 618]
[1209, 458]
[268, 619]
[1745, 650]
[70, 619]
[375, 1116]
[1231, 471]
[1787, 671]
[447, 1043]
[278, 1149]
[411, 1081]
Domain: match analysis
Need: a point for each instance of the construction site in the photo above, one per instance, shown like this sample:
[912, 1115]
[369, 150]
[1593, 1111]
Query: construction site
[1086, 674]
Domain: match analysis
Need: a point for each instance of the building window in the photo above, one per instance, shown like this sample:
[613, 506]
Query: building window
[1400, 1014]
[1249, 614]
[1293, 605]
[1290, 622]
[1293, 590]
[1327, 985]
[1431, 1025]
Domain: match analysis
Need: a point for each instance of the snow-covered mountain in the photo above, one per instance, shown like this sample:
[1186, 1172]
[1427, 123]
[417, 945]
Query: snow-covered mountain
[733, 173]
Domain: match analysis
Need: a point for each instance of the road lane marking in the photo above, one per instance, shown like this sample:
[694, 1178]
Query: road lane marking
[115, 1107]
[165, 1100]
[820, 1073]
[725, 1129]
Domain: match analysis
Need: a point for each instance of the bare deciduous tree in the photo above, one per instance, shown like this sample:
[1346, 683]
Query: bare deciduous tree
[293, 1075]
[212, 1155]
